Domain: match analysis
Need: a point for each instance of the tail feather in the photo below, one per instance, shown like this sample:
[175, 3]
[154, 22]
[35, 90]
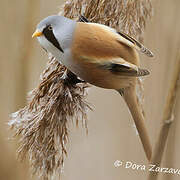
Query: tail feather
[130, 98]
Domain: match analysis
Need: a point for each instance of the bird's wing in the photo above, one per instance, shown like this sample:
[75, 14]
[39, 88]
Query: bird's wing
[125, 39]
[117, 66]
[124, 69]
[137, 45]
[98, 46]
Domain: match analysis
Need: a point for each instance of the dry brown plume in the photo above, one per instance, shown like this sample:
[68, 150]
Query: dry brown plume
[43, 123]
[60, 99]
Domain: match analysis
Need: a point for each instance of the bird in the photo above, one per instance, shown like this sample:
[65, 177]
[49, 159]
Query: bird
[101, 56]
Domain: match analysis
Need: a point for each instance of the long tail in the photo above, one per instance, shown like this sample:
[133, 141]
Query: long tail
[129, 95]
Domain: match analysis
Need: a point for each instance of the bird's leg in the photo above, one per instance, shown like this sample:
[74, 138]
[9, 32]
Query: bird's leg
[72, 78]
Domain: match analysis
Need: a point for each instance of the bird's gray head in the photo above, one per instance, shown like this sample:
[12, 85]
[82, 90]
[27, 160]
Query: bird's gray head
[54, 33]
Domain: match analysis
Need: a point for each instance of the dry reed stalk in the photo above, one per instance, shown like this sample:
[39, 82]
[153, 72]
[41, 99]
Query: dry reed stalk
[168, 118]
[60, 97]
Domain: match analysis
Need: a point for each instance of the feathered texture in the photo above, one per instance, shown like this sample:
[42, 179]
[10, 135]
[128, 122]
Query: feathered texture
[58, 100]
[124, 15]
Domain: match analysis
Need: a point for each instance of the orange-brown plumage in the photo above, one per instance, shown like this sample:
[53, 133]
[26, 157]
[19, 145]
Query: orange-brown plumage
[102, 44]
[106, 46]
[93, 46]
[100, 56]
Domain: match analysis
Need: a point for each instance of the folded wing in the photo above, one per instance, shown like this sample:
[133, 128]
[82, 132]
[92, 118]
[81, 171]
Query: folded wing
[123, 68]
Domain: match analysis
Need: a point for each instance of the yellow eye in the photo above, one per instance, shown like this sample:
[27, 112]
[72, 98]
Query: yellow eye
[50, 28]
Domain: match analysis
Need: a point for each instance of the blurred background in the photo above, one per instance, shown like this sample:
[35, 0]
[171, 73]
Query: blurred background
[111, 133]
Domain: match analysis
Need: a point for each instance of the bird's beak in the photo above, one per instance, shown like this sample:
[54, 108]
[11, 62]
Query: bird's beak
[37, 33]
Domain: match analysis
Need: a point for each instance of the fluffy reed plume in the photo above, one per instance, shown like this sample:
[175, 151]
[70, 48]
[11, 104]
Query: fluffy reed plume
[60, 97]
[43, 123]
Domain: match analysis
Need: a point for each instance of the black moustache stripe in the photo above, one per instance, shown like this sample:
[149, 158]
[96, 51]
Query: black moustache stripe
[51, 38]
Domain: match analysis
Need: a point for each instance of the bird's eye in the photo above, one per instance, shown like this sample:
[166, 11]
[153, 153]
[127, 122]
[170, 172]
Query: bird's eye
[50, 28]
